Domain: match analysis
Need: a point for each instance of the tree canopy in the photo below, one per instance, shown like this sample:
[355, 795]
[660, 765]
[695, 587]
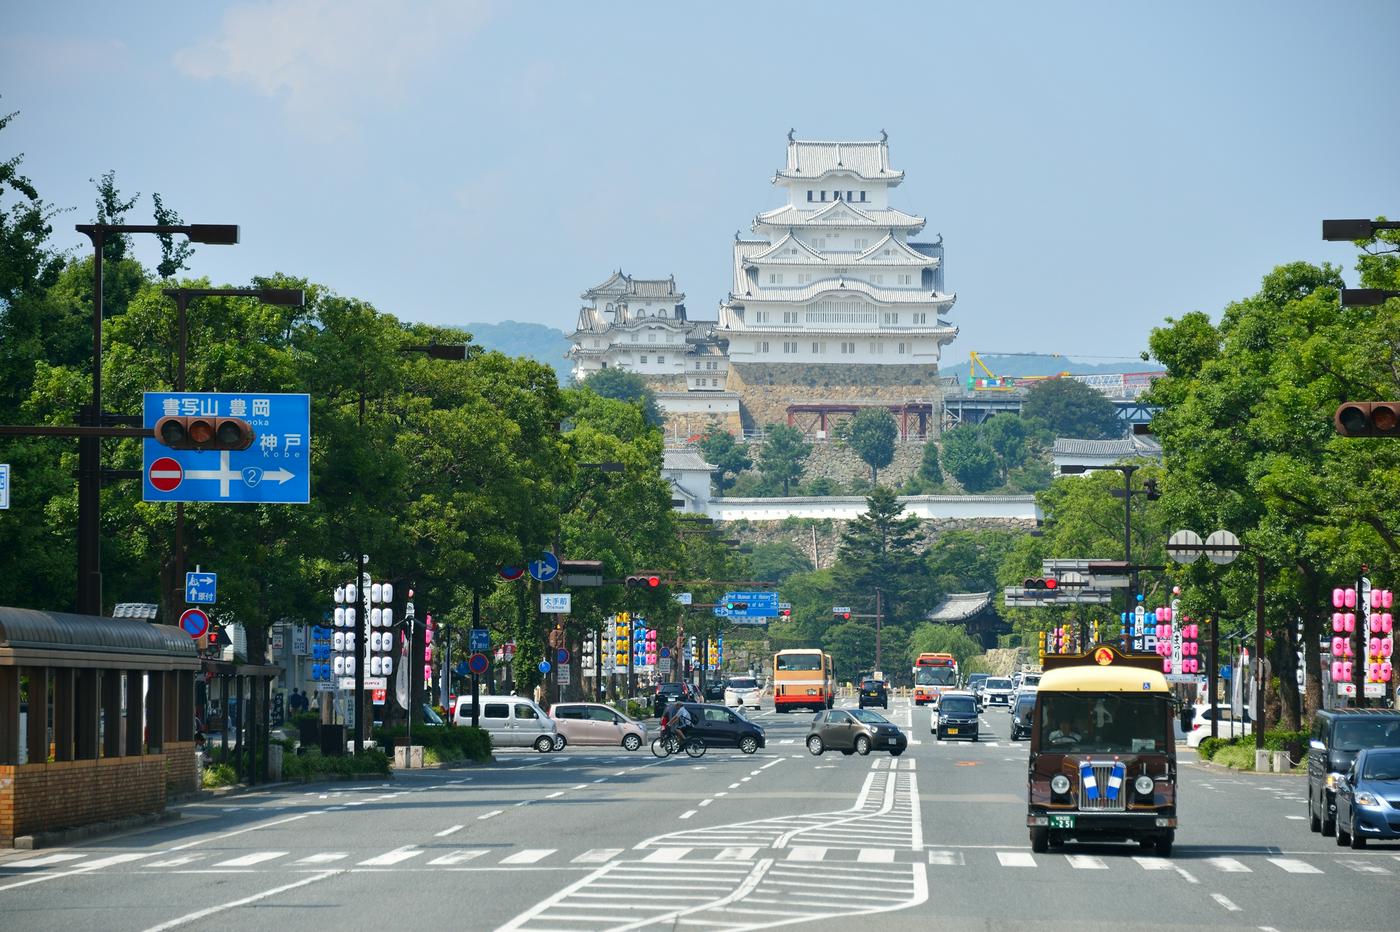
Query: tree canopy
[872, 433]
[1072, 409]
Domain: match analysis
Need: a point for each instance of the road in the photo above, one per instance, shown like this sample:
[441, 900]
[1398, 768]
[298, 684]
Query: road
[597, 838]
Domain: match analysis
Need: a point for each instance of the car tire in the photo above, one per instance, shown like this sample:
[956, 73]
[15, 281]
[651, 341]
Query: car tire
[748, 744]
[544, 744]
[896, 753]
[1343, 838]
[1356, 840]
[862, 745]
[847, 753]
[1329, 825]
[631, 743]
[815, 746]
[1314, 823]
[1040, 839]
[560, 742]
[1162, 846]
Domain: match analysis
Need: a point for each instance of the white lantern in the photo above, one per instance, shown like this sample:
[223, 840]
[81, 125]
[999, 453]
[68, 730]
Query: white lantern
[388, 592]
[349, 666]
[339, 666]
[388, 617]
[374, 666]
[350, 592]
[350, 618]
[340, 595]
[376, 593]
[339, 640]
[339, 617]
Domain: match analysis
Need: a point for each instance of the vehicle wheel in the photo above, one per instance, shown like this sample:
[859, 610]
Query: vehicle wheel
[847, 753]
[862, 745]
[560, 742]
[1056, 840]
[1329, 825]
[1162, 847]
[895, 753]
[1356, 840]
[814, 744]
[748, 744]
[695, 747]
[1040, 840]
[631, 742]
[544, 744]
[660, 747]
[1314, 823]
[1343, 838]
[974, 738]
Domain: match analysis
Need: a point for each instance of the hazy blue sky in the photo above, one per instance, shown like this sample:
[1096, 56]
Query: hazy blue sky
[1093, 168]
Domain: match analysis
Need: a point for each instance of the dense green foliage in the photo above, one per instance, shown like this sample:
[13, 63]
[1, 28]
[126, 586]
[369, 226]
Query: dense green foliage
[1072, 409]
[728, 456]
[446, 743]
[621, 385]
[782, 454]
[313, 766]
[872, 434]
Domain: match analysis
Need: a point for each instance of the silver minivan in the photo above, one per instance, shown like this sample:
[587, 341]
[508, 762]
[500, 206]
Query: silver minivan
[511, 721]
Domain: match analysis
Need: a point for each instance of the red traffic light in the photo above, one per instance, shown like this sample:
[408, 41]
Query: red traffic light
[785, 612]
[1368, 419]
[643, 581]
[1040, 582]
[204, 433]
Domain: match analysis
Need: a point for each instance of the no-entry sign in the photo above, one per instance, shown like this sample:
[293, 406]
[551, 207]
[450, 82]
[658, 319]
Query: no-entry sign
[166, 474]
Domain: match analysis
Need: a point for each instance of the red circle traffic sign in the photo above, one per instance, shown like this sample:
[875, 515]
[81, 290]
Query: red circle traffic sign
[166, 475]
[512, 572]
[194, 622]
[478, 664]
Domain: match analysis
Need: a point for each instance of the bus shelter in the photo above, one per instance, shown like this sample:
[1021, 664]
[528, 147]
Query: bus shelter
[96, 719]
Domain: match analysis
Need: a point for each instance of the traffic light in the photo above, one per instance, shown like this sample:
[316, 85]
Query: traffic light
[1368, 419]
[1150, 487]
[844, 615]
[785, 612]
[204, 433]
[1040, 582]
[737, 606]
[643, 581]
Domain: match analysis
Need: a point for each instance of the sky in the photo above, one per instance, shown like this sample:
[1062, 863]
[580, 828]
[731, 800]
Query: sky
[1094, 168]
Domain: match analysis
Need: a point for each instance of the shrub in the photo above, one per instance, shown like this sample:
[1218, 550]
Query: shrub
[451, 743]
[1209, 746]
[310, 766]
[308, 726]
[219, 775]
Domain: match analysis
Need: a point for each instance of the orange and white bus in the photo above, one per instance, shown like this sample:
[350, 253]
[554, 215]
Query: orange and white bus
[934, 674]
[802, 678]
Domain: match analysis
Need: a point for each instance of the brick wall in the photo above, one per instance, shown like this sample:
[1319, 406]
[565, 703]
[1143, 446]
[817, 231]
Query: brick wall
[45, 797]
[181, 770]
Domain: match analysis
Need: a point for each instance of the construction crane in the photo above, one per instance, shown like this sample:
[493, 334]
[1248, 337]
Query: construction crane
[997, 383]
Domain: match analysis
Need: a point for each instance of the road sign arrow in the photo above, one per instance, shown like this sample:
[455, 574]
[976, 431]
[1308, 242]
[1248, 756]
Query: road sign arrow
[278, 475]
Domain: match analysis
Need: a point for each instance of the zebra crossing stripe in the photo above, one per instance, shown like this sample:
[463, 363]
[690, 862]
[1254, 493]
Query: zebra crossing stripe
[392, 857]
[324, 858]
[458, 857]
[529, 856]
[876, 856]
[248, 860]
[1015, 859]
[806, 853]
[1086, 862]
[946, 858]
[746, 853]
[1294, 866]
[597, 856]
[1228, 865]
[43, 860]
[667, 855]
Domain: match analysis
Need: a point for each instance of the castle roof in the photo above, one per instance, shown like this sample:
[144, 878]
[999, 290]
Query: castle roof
[811, 159]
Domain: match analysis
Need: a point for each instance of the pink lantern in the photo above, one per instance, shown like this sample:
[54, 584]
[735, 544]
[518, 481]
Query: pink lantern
[1387, 597]
[1166, 666]
[1374, 647]
[1387, 671]
[1339, 646]
[1336, 621]
[1375, 598]
[1349, 596]
[1349, 622]
[1338, 598]
[1336, 671]
[1346, 670]
[1387, 645]
[1167, 613]
[1387, 623]
[1373, 673]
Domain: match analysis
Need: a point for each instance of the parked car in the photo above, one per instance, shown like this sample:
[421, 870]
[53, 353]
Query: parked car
[667, 693]
[854, 731]
[997, 691]
[511, 721]
[741, 691]
[955, 717]
[1368, 798]
[1021, 714]
[1228, 727]
[591, 723]
[1338, 735]
[874, 692]
[720, 727]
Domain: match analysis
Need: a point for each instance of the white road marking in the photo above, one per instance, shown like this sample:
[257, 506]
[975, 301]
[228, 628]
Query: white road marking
[667, 855]
[1363, 867]
[737, 854]
[597, 856]
[1223, 900]
[1086, 862]
[177, 861]
[946, 858]
[487, 815]
[688, 813]
[876, 856]
[43, 860]
[1296, 818]
[1153, 864]
[1015, 859]
[323, 858]
[233, 904]
[248, 860]
[1294, 867]
[555, 795]
[1187, 875]
[705, 802]
[806, 853]
[392, 857]
[529, 856]
[448, 831]
[1228, 865]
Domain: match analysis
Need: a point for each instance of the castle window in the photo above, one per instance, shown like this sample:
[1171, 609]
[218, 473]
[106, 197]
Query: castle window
[790, 347]
[760, 317]
[906, 279]
[848, 349]
[697, 364]
[903, 348]
[775, 278]
[818, 349]
[660, 360]
[920, 317]
[891, 318]
[850, 196]
[809, 195]
[862, 197]
[876, 349]
[823, 197]
[651, 337]
[634, 338]
[714, 383]
[644, 360]
[790, 317]
[836, 195]
[761, 346]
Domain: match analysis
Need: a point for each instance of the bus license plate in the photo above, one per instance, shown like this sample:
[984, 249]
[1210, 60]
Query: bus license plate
[1062, 821]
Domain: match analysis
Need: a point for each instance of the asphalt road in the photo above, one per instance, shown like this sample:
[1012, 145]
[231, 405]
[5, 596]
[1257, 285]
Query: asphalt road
[599, 838]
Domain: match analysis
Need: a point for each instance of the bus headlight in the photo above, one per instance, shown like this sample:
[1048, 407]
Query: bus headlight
[1143, 784]
[1059, 783]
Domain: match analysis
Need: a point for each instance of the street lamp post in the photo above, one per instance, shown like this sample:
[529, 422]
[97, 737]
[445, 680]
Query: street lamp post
[89, 600]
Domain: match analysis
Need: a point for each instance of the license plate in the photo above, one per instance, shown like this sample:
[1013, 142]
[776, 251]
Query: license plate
[1062, 821]
[952, 731]
[891, 740]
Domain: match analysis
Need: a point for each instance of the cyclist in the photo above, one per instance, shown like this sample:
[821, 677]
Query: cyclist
[675, 721]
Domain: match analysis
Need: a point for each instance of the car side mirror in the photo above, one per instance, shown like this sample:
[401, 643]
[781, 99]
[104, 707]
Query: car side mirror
[1317, 745]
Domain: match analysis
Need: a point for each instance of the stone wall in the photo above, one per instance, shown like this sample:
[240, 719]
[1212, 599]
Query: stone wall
[839, 462]
[766, 389]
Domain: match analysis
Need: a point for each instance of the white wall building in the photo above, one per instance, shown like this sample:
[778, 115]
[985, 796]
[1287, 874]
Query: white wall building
[637, 324]
[833, 275]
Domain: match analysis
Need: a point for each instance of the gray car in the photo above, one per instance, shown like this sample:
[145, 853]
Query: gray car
[854, 731]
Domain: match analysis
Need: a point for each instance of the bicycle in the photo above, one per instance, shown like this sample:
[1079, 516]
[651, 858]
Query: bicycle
[665, 745]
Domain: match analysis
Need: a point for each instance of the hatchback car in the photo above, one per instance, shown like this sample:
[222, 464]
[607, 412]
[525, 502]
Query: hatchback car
[667, 693]
[511, 721]
[713, 692]
[955, 717]
[1368, 798]
[974, 683]
[584, 723]
[874, 692]
[720, 727]
[854, 731]
[741, 691]
[1228, 727]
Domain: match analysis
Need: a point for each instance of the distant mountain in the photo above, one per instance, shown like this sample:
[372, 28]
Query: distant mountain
[545, 344]
[1045, 364]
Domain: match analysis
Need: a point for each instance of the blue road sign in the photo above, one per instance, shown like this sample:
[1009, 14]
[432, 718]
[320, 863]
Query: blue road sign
[479, 640]
[4, 485]
[759, 605]
[194, 622]
[544, 666]
[201, 588]
[544, 569]
[461, 669]
[478, 664]
[276, 469]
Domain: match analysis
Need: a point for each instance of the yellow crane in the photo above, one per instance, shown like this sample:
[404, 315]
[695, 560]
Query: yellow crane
[996, 383]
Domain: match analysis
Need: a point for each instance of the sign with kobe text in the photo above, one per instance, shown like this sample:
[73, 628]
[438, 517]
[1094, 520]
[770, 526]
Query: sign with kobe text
[275, 469]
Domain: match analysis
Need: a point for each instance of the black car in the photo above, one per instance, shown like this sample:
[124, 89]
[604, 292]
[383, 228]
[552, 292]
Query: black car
[974, 683]
[955, 717]
[667, 693]
[1337, 736]
[1021, 717]
[874, 692]
[720, 727]
[854, 731]
[714, 691]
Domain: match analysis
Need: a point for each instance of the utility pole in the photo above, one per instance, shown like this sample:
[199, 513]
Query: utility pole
[879, 615]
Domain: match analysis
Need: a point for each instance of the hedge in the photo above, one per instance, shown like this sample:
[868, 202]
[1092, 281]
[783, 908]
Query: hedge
[313, 764]
[441, 743]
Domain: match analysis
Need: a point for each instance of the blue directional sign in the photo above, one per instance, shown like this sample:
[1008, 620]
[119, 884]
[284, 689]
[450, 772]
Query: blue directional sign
[276, 469]
[479, 640]
[545, 568]
[201, 588]
[756, 605]
[4, 485]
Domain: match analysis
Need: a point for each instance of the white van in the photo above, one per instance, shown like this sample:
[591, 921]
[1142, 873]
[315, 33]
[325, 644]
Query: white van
[511, 721]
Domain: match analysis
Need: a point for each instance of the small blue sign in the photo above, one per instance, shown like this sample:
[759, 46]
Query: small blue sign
[544, 666]
[4, 485]
[544, 569]
[478, 664]
[759, 605]
[461, 668]
[479, 640]
[201, 588]
[276, 469]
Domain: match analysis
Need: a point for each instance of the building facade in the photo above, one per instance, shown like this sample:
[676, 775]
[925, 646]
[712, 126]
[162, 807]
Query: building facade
[640, 325]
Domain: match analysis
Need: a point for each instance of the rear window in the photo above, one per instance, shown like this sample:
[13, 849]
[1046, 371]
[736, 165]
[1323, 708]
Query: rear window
[496, 710]
[743, 682]
[568, 711]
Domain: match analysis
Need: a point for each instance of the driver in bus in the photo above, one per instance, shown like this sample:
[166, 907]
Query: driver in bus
[1067, 733]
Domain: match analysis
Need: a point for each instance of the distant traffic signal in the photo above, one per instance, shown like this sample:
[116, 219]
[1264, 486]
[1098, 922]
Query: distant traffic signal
[643, 581]
[1368, 419]
[1150, 487]
[1040, 582]
[785, 612]
[204, 433]
[843, 615]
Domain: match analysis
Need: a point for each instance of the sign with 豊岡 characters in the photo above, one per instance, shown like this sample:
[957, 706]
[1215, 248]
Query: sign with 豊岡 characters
[275, 469]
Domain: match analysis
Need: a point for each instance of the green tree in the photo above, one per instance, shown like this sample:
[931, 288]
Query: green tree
[626, 386]
[871, 433]
[968, 561]
[775, 562]
[782, 454]
[880, 550]
[727, 456]
[930, 638]
[969, 458]
[930, 470]
[1072, 409]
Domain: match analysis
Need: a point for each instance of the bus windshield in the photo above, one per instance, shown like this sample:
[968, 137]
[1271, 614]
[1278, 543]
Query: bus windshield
[799, 662]
[1102, 723]
[935, 676]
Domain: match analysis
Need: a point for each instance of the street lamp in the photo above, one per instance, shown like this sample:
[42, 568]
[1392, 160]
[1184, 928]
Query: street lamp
[90, 447]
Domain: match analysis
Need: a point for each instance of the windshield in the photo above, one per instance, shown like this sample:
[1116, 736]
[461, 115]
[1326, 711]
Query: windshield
[1102, 723]
[1025, 704]
[935, 676]
[1353, 734]
[799, 662]
[743, 682]
[957, 705]
[1032, 680]
[868, 717]
[997, 684]
[1383, 766]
